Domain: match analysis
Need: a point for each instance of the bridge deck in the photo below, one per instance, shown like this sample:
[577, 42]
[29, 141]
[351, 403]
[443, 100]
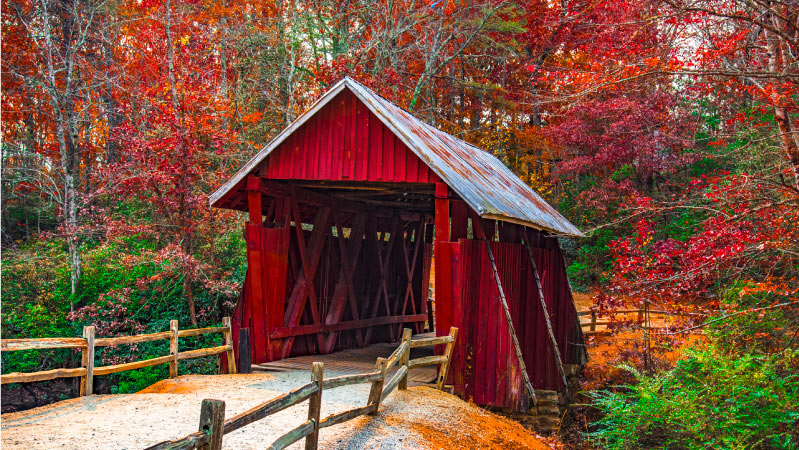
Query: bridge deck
[358, 360]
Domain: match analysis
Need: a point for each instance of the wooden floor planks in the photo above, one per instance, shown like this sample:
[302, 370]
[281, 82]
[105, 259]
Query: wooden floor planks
[359, 360]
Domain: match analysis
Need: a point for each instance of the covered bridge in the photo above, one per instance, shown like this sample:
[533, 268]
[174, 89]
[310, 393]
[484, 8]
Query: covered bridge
[348, 207]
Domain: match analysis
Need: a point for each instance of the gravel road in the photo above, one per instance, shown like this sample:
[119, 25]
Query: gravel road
[420, 418]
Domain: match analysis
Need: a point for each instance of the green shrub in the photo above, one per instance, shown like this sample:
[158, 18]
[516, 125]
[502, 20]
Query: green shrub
[123, 291]
[710, 400]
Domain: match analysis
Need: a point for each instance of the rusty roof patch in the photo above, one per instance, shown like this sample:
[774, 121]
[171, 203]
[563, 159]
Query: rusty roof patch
[482, 180]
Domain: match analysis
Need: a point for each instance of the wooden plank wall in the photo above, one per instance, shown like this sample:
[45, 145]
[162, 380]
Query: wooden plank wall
[261, 317]
[345, 141]
[484, 365]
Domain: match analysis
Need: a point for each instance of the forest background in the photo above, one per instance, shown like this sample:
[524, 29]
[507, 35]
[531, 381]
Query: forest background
[668, 130]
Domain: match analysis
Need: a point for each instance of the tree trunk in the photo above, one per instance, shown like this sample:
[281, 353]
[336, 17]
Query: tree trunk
[190, 299]
[788, 138]
[779, 58]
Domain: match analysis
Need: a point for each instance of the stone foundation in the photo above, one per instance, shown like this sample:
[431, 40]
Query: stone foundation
[550, 409]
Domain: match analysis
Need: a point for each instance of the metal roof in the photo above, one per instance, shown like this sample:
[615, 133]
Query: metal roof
[486, 184]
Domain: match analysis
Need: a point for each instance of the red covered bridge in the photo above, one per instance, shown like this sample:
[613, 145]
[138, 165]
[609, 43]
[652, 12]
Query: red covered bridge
[347, 208]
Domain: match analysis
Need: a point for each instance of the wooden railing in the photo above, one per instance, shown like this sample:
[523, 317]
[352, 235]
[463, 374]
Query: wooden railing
[638, 312]
[88, 343]
[212, 412]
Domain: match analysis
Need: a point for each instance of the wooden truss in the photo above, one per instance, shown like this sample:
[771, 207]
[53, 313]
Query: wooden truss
[354, 274]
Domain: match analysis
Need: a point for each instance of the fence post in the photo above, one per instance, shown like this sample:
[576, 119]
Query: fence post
[315, 405]
[231, 360]
[593, 320]
[245, 364]
[443, 369]
[405, 357]
[173, 349]
[430, 313]
[87, 361]
[377, 387]
[212, 423]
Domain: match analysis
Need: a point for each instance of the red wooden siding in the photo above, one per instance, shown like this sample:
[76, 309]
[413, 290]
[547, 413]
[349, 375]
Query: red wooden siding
[484, 366]
[264, 315]
[345, 141]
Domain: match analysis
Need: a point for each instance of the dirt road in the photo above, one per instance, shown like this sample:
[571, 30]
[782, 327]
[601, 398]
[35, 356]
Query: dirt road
[420, 418]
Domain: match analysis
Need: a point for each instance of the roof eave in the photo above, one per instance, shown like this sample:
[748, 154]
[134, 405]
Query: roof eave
[571, 233]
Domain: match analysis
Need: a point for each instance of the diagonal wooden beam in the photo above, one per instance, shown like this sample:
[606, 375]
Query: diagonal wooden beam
[558, 361]
[480, 234]
[374, 239]
[410, 268]
[309, 261]
[344, 291]
[358, 228]
[383, 260]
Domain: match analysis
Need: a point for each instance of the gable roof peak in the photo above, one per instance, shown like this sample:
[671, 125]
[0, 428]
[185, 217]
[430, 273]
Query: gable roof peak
[487, 185]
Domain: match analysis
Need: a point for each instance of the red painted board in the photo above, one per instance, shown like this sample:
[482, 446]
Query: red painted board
[388, 160]
[276, 259]
[362, 142]
[491, 354]
[443, 293]
[460, 221]
[375, 150]
[459, 354]
[254, 262]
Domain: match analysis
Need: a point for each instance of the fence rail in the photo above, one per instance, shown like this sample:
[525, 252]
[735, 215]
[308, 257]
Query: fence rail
[88, 343]
[594, 322]
[212, 426]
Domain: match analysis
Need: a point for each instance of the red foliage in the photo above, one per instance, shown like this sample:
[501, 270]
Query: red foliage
[743, 236]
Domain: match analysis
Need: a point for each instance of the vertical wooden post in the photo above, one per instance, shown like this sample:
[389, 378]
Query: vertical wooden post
[593, 320]
[212, 423]
[315, 405]
[87, 361]
[443, 260]
[444, 368]
[442, 212]
[254, 239]
[377, 387]
[405, 357]
[431, 325]
[245, 365]
[231, 359]
[173, 349]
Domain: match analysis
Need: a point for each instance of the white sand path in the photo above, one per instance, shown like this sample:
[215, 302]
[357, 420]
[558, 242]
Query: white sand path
[414, 419]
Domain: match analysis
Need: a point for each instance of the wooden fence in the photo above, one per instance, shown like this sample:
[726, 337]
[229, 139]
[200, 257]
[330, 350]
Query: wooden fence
[212, 412]
[592, 331]
[88, 343]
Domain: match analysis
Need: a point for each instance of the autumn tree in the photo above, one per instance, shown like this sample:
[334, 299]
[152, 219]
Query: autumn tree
[50, 103]
[746, 48]
[176, 138]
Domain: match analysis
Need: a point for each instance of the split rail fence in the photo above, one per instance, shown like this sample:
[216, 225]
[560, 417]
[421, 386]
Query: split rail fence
[88, 343]
[213, 425]
[639, 318]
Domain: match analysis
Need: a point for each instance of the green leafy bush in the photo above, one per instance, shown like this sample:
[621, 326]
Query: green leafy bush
[709, 400]
[591, 262]
[124, 290]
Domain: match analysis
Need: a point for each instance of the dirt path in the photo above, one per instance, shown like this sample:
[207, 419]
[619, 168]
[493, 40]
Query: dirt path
[420, 418]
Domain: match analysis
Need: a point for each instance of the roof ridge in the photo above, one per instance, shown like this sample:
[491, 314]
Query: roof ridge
[480, 178]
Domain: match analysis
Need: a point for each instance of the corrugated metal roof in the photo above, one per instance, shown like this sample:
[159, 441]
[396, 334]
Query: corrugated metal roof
[486, 184]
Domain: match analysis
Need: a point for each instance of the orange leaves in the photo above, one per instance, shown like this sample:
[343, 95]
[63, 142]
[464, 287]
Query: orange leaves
[252, 117]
